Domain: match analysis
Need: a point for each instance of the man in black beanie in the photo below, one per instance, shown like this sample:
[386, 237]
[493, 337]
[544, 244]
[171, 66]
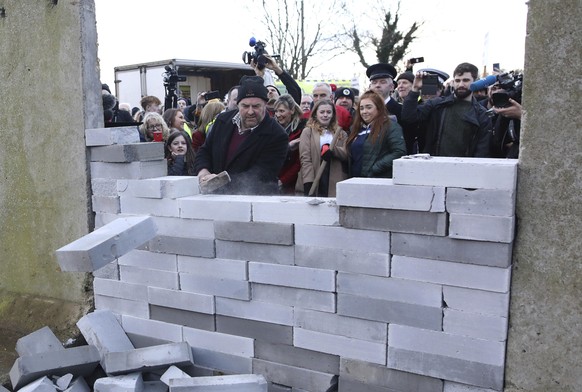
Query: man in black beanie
[247, 143]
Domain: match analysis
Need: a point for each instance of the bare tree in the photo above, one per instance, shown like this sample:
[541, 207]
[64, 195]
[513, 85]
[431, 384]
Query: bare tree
[392, 45]
[298, 42]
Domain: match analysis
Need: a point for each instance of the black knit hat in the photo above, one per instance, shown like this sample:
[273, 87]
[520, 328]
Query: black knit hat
[344, 92]
[252, 87]
[406, 75]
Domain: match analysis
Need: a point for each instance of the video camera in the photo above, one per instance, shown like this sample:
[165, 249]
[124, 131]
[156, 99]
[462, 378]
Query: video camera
[171, 76]
[258, 55]
[511, 84]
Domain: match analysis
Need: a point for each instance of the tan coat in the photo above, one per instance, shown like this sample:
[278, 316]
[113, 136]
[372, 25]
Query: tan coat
[310, 156]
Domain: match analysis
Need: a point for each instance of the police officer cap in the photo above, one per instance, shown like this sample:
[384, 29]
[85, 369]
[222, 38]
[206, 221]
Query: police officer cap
[381, 71]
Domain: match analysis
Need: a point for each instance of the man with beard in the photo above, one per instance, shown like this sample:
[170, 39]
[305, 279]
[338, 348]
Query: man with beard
[247, 143]
[456, 125]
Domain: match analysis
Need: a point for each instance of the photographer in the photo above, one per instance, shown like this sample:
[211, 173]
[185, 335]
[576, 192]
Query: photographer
[506, 129]
[293, 88]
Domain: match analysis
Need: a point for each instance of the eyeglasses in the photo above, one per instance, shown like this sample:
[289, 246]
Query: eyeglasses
[151, 127]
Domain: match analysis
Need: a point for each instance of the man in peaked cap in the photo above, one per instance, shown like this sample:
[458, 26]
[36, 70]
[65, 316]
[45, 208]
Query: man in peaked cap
[382, 77]
[247, 143]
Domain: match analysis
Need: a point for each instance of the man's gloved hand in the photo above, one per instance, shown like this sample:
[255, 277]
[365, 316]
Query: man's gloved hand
[306, 188]
[326, 153]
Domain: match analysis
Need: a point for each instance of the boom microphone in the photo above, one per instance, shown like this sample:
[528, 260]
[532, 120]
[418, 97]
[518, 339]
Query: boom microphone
[483, 83]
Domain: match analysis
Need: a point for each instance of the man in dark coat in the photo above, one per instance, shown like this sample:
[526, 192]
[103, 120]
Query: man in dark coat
[247, 143]
[456, 125]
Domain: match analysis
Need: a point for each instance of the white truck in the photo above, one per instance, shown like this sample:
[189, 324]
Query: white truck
[132, 82]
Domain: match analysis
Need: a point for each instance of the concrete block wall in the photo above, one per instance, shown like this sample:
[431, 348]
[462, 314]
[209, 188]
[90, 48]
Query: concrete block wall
[395, 285]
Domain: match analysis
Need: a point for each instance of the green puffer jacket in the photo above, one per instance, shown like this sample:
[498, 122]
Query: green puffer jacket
[378, 157]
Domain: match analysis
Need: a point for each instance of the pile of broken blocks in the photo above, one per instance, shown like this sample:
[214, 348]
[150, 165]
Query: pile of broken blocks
[111, 363]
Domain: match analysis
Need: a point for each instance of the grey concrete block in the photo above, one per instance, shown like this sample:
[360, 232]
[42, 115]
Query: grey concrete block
[108, 204]
[125, 383]
[215, 207]
[452, 274]
[290, 296]
[297, 357]
[217, 268]
[268, 332]
[43, 384]
[482, 227]
[78, 385]
[108, 271]
[255, 310]
[443, 248]
[187, 246]
[39, 341]
[176, 227]
[143, 206]
[163, 331]
[228, 344]
[148, 358]
[109, 136]
[493, 202]
[148, 277]
[173, 372]
[117, 289]
[297, 210]
[102, 246]
[183, 317]
[237, 289]
[265, 253]
[466, 360]
[77, 360]
[104, 187]
[309, 380]
[122, 306]
[402, 313]
[141, 341]
[475, 325]
[127, 152]
[400, 221]
[334, 324]
[167, 187]
[349, 385]
[102, 330]
[343, 346]
[257, 232]
[181, 300]
[229, 383]
[477, 301]
[370, 375]
[382, 193]
[218, 361]
[391, 289]
[131, 170]
[455, 172]
[292, 276]
[150, 260]
[343, 260]
[342, 238]
[278, 388]
[155, 386]
[63, 382]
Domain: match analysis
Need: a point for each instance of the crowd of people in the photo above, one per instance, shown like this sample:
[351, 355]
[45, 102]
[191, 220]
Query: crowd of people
[304, 144]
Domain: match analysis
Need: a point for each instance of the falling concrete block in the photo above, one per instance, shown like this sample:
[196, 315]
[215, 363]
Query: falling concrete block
[149, 358]
[102, 330]
[172, 373]
[43, 384]
[110, 136]
[234, 383]
[39, 341]
[78, 385]
[77, 360]
[104, 245]
[127, 383]
[128, 152]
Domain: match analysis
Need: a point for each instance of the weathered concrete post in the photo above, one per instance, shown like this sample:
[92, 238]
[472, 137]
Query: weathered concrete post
[50, 92]
[545, 337]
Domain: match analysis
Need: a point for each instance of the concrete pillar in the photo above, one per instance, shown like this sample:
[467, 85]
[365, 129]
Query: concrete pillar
[50, 92]
[545, 336]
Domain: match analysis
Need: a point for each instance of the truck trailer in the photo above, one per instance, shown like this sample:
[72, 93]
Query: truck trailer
[133, 82]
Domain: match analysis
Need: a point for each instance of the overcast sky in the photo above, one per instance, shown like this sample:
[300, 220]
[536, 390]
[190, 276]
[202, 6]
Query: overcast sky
[454, 31]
